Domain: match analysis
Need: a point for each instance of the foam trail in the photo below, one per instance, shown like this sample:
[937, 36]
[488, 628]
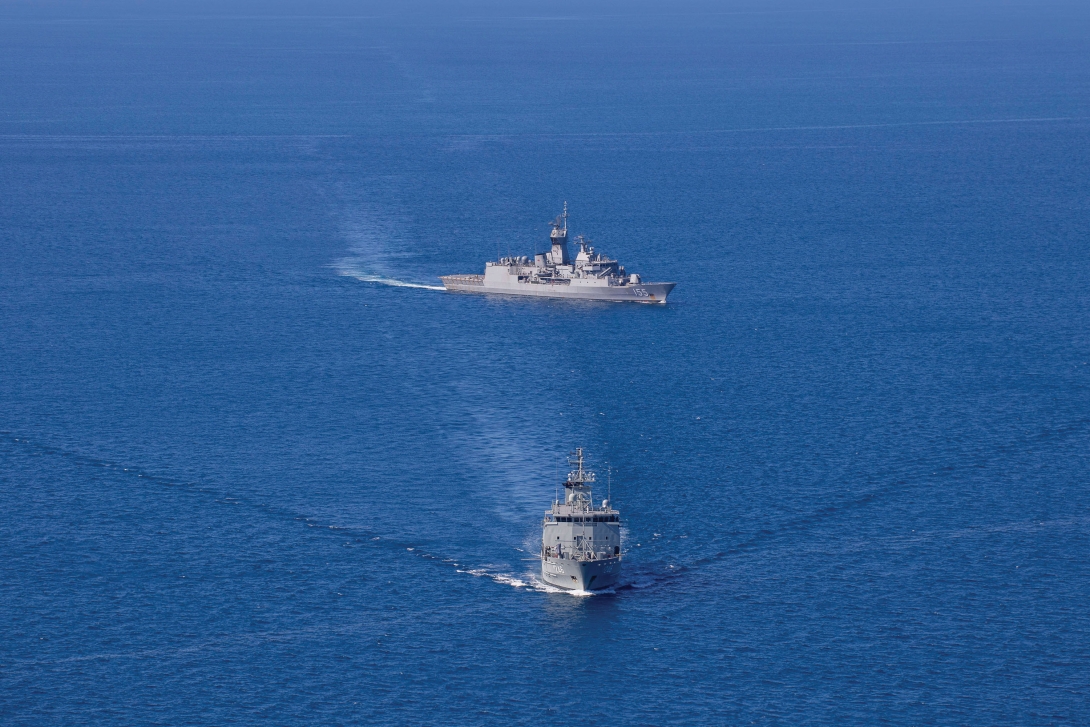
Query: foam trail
[506, 579]
[529, 581]
[542, 586]
[382, 280]
[378, 250]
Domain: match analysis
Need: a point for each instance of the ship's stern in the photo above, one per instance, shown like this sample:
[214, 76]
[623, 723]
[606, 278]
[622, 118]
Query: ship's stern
[463, 283]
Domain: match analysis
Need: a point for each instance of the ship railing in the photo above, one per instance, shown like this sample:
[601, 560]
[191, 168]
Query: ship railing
[579, 555]
[464, 279]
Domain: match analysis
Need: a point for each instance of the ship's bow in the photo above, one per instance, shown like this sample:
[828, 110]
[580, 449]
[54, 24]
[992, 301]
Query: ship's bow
[581, 575]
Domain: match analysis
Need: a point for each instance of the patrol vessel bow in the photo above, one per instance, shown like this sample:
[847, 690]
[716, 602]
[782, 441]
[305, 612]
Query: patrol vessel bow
[554, 274]
[580, 543]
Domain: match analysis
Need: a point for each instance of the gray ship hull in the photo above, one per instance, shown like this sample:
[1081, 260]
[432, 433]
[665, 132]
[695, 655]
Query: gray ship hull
[581, 575]
[629, 293]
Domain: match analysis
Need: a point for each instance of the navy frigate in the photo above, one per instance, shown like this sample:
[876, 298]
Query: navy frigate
[554, 274]
[580, 543]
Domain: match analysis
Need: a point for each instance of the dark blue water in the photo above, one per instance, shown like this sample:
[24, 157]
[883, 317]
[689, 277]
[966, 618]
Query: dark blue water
[248, 477]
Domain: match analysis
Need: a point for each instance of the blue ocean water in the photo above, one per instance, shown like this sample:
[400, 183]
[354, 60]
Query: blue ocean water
[253, 470]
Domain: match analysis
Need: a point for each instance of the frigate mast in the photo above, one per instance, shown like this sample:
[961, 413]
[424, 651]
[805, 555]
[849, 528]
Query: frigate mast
[580, 481]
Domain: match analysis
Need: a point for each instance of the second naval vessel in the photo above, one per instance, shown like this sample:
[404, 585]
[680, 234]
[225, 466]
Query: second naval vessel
[554, 274]
[580, 543]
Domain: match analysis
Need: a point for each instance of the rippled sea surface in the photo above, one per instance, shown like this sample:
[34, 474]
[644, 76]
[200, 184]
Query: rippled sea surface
[256, 469]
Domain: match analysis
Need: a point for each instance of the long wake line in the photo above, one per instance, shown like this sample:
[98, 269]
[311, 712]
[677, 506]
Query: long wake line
[383, 280]
[363, 536]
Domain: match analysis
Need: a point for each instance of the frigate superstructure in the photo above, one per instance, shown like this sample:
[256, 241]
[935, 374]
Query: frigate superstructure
[580, 543]
[554, 274]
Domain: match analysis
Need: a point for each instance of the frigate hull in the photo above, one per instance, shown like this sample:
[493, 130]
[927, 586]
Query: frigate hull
[581, 575]
[589, 275]
[628, 293]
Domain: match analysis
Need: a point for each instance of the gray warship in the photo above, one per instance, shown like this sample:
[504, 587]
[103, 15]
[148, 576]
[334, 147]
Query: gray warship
[580, 543]
[553, 274]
